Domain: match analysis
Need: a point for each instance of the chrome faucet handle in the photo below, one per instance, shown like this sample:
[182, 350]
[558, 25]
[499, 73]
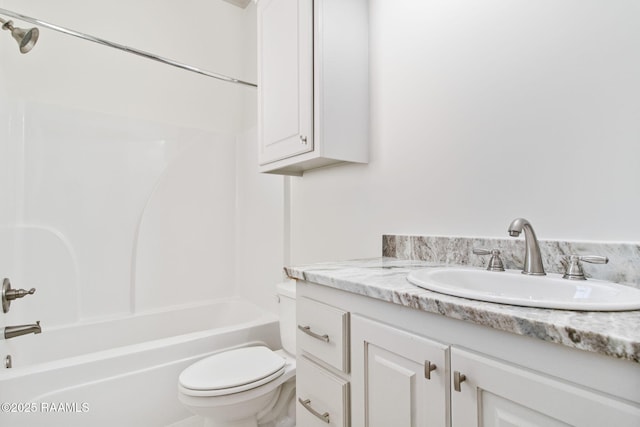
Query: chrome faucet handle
[9, 294]
[574, 267]
[495, 262]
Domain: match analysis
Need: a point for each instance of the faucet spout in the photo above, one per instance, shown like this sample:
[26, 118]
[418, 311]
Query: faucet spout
[532, 258]
[16, 331]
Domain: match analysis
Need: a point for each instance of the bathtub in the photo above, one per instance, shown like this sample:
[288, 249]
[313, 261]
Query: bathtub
[123, 371]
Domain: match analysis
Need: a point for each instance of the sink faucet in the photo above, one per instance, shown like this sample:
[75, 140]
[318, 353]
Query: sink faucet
[16, 331]
[532, 257]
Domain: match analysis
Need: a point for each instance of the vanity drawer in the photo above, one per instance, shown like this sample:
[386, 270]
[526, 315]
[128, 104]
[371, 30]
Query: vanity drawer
[323, 332]
[323, 398]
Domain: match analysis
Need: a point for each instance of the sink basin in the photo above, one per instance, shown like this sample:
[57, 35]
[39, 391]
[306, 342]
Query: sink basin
[512, 287]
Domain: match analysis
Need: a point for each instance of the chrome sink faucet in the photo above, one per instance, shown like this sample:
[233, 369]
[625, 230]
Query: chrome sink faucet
[16, 331]
[532, 257]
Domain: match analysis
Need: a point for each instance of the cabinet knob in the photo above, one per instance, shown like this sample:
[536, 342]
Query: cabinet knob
[303, 139]
[458, 379]
[428, 368]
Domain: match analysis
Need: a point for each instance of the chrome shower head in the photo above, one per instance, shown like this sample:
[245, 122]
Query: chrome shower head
[26, 38]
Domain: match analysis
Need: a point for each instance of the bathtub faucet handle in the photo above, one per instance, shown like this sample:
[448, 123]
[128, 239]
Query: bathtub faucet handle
[9, 294]
[19, 293]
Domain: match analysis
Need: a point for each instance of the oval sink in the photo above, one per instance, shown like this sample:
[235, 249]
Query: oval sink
[512, 287]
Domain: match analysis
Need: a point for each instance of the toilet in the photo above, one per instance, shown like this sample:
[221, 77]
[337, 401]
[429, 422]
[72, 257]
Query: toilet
[249, 386]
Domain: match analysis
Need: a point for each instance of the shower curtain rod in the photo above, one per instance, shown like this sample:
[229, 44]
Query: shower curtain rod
[125, 48]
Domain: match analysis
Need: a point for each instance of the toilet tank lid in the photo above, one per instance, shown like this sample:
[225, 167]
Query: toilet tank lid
[231, 368]
[287, 288]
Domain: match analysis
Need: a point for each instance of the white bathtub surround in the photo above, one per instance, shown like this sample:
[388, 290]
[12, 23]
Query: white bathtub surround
[97, 218]
[95, 145]
[623, 266]
[609, 333]
[126, 369]
[56, 278]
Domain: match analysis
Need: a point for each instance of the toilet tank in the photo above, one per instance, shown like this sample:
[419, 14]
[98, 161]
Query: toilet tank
[287, 311]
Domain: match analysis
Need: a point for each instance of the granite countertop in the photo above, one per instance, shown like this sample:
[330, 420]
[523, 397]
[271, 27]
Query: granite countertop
[615, 334]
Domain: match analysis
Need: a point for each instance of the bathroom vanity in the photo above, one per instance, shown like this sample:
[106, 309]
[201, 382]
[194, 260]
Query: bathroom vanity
[375, 350]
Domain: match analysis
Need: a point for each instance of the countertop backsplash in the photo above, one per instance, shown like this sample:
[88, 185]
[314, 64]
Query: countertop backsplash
[623, 266]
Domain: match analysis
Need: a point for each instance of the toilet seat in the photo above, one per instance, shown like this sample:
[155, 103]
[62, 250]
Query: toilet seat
[231, 372]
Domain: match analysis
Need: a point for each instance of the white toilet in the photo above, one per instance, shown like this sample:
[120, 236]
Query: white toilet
[248, 386]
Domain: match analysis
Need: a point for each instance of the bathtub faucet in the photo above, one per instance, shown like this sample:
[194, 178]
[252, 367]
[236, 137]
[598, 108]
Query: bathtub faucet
[16, 331]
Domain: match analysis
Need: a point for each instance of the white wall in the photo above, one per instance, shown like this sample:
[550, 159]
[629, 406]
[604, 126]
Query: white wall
[260, 226]
[64, 70]
[483, 111]
[260, 203]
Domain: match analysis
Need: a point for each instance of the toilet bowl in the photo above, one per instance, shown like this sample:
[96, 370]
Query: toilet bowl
[249, 386]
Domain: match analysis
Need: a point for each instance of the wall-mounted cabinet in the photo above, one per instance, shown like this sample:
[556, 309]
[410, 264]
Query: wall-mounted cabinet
[313, 103]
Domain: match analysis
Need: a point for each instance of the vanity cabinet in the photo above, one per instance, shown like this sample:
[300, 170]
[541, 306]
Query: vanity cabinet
[322, 340]
[412, 368]
[312, 84]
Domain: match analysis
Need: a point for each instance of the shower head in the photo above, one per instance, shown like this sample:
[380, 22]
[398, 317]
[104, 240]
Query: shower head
[26, 38]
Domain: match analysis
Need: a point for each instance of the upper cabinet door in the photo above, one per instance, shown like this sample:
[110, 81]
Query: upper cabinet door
[313, 105]
[285, 78]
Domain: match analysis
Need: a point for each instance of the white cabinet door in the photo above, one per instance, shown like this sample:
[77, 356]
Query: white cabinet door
[495, 393]
[389, 377]
[285, 78]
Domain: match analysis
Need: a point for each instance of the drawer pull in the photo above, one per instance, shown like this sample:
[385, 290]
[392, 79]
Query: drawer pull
[307, 330]
[458, 378]
[307, 404]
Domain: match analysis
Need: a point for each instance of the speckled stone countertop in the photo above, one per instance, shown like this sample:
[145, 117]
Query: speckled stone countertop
[615, 334]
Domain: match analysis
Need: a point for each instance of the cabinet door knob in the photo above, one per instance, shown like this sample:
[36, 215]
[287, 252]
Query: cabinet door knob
[307, 405]
[303, 139]
[458, 378]
[428, 368]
